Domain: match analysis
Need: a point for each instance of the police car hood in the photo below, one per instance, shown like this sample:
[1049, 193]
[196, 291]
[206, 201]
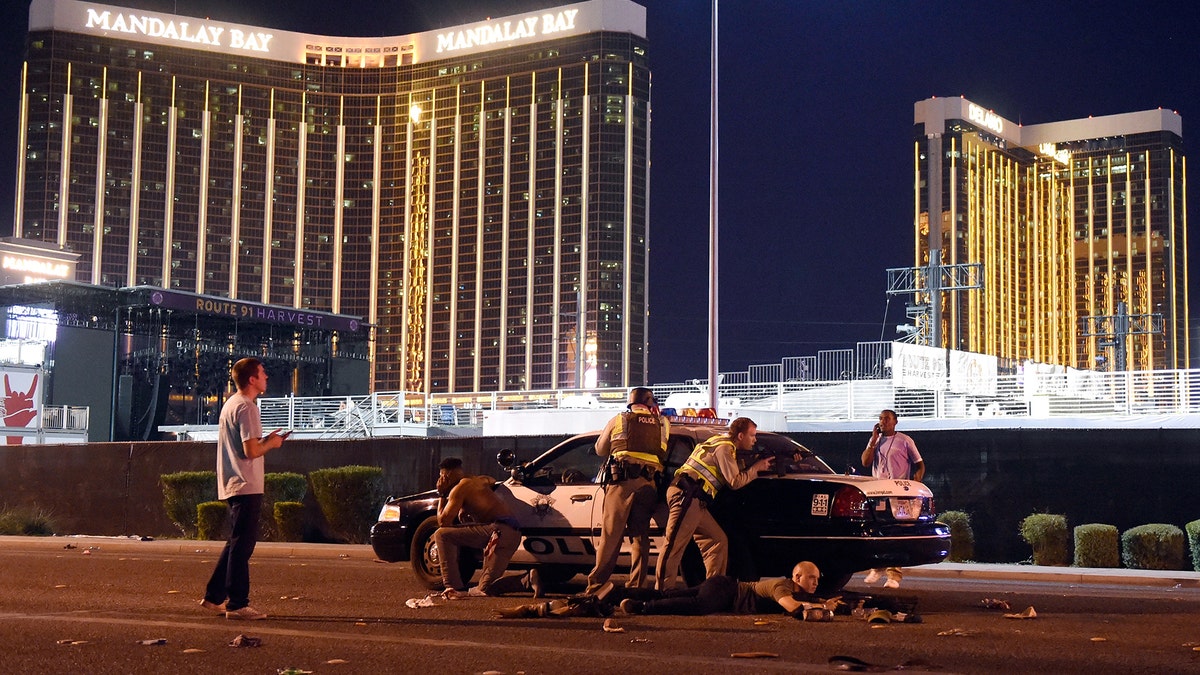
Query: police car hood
[871, 487]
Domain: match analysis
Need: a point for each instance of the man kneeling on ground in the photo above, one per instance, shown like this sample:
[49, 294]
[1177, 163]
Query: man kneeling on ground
[726, 594]
[487, 523]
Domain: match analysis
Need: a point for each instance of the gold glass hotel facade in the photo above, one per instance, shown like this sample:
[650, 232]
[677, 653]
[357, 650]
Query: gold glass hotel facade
[478, 193]
[1072, 223]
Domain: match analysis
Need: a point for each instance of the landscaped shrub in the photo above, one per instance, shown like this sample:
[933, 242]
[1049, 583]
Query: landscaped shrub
[280, 487]
[26, 522]
[1047, 534]
[1157, 546]
[1097, 545]
[350, 498]
[183, 492]
[1193, 536]
[212, 521]
[289, 521]
[962, 537]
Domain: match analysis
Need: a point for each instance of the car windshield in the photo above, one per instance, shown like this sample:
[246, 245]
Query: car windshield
[772, 445]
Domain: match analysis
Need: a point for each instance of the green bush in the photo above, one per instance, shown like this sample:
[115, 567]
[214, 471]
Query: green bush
[962, 537]
[212, 521]
[280, 487]
[289, 521]
[1156, 546]
[1097, 545]
[183, 492]
[1047, 534]
[350, 498]
[1193, 536]
[26, 521]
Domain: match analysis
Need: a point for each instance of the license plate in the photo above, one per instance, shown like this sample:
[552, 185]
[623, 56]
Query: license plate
[907, 508]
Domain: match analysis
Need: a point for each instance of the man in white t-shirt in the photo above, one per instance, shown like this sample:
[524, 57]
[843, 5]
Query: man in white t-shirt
[891, 454]
[240, 449]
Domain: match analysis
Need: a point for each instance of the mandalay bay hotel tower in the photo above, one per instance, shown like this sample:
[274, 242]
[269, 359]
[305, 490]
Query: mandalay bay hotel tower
[1078, 228]
[478, 193]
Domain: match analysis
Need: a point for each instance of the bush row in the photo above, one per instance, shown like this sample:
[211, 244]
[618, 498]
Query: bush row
[349, 498]
[1156, 546]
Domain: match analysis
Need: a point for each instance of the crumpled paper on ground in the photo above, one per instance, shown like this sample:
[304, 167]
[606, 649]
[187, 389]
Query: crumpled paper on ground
[427, 601]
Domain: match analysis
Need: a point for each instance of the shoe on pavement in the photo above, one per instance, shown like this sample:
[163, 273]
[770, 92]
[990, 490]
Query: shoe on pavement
[476, 592]
[631, 606]
[604, 591]
[212, 606]
[246, 613]
[535, 584]
[892, 583]
[871, 577]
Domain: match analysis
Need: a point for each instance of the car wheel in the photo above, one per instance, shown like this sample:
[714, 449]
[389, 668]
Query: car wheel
[426, 563]
[832, 582]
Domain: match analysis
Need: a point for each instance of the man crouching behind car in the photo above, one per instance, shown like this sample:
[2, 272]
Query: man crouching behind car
[488, 525]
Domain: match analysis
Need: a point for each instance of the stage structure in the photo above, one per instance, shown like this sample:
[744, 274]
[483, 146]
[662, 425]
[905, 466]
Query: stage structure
[141, 357]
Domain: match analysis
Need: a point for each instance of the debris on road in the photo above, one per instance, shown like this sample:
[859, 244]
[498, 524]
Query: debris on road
[958, 632]
[611, 626]
[995, 603]
[153, 641]
[427, 601]
[754, 655]
[245, 641]
[1029, 613]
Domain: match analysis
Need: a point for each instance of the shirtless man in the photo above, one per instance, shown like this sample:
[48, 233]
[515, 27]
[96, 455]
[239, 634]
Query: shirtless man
[486, 523]
[726, 594]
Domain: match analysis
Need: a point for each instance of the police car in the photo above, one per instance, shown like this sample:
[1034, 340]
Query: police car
[803, 510]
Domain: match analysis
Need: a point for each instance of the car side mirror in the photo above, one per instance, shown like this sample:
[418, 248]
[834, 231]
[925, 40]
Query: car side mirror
[506, 458]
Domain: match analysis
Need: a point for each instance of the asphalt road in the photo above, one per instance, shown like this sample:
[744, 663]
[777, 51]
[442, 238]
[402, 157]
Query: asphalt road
[334, 609]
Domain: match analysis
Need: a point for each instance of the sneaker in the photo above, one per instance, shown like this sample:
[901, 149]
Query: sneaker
[871, 577]
[535, 584]
[631, 606]
[604, 591]
[246, 613]
[476, 592]
[892, 583]
[212, 606]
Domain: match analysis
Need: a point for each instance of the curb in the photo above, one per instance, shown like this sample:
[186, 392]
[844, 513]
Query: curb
[268, 549]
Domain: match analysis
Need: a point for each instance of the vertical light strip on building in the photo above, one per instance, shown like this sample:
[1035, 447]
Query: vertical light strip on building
[406, 329]
[235, 220]
[455, 255]
[531, 251]
[376, 194]
[506, 209]
[269, 205]
[585, 191]
[301, 199]
[1180, 226]
[169, 198]
[339, 206]
[556, 303]
[101, 173]
[202, 216]
[64, 173]
[627, 267]
[22, 143]
[135, 197]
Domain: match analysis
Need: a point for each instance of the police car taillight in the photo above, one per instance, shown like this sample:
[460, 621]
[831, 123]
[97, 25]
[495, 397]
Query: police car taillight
[849, 502]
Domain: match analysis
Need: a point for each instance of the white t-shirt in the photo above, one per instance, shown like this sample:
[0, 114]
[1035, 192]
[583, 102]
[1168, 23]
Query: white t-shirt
[895, 456]
[236, 473]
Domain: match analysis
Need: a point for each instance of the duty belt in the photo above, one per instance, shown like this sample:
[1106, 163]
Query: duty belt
[630, 470]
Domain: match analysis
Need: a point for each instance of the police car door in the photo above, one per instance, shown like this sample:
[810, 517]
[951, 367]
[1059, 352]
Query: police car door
[555, 506]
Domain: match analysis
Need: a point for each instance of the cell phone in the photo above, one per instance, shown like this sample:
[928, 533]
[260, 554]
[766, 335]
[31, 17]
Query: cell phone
[285, 434]
[878, 429]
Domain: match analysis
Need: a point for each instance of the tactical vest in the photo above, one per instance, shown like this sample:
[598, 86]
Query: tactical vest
[638, 436]
[702, 465]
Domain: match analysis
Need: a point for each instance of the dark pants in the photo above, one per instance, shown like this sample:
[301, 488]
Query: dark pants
[715, 594]
[230, 581]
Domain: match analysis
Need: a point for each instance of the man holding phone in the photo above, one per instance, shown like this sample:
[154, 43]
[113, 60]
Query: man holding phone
[240, 449]
[891, 454]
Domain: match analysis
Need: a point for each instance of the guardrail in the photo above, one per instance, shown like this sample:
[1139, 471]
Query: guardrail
[1038, 395]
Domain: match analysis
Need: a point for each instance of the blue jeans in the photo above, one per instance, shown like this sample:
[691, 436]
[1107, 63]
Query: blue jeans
[230, 580]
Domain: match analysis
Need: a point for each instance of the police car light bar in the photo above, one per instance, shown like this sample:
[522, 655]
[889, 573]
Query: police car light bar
[706, 416]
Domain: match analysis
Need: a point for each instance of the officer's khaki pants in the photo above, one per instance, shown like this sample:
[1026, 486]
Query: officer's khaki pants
[682, 525]
[628, 506]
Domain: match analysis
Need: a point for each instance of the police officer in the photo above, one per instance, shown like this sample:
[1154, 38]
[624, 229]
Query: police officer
[713, 465]
[635, 442]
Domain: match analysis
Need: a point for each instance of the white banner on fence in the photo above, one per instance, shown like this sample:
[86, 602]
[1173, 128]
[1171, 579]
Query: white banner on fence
[918, 366]
[973, 374]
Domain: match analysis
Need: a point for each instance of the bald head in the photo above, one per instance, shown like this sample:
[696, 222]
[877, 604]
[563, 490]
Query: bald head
[805, 576]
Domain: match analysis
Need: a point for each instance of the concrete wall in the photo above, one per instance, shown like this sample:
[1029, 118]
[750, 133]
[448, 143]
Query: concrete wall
[1119, 477]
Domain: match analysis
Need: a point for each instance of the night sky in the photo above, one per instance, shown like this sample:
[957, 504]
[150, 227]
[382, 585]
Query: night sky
[816, 131]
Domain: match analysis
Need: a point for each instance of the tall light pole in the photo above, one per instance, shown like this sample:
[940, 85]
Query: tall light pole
[712, 219]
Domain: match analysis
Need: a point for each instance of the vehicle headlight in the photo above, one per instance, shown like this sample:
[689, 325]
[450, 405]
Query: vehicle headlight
[390, 513]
